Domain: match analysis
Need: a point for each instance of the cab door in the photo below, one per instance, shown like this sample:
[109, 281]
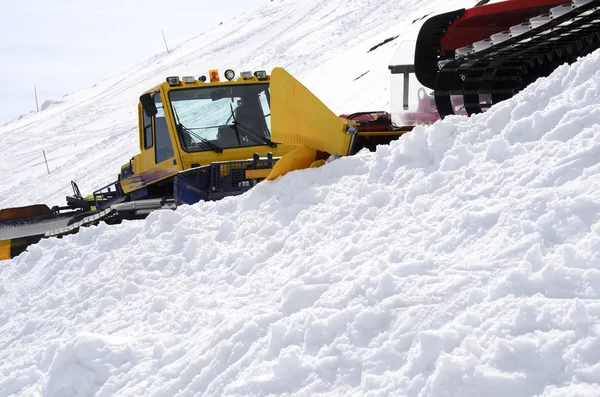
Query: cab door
[158, 154]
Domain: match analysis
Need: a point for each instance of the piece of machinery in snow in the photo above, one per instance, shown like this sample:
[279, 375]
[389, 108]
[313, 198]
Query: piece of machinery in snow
[205, 139]
[465, 61]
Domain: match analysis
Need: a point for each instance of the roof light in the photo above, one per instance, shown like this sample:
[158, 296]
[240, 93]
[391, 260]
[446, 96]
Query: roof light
[246, 75]
[229, 74]
[261, 74]
[214, 76]
[173, 80]
[188, 79]
[202, 79]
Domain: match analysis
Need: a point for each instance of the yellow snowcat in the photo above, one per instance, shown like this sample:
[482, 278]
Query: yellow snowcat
[205, 139]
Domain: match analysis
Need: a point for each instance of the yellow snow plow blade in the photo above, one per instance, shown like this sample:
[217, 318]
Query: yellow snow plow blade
[299, 118]
[297, 159]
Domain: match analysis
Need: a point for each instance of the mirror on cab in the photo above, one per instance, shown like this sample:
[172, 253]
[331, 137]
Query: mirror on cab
[148, 105]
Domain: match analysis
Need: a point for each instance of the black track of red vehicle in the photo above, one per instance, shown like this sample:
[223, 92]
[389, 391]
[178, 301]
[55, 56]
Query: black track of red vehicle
[487, 54]
[444, 33]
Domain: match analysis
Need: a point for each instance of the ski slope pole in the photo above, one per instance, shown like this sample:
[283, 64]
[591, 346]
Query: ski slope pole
[165, 40]
[46, 160]
[37, 108]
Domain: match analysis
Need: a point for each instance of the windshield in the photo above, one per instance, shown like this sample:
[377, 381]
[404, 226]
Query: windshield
[222, 117]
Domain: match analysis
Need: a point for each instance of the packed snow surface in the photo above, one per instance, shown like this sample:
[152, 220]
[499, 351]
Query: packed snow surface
[462, 260]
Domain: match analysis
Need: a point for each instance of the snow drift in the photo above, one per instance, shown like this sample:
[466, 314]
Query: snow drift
[460, 260]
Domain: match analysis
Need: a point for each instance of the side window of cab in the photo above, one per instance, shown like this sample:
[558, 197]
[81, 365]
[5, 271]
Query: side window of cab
[164, 146]
[147, 131]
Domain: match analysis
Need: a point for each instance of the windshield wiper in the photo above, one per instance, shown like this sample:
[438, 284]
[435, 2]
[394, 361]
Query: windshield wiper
[247, 131]
[206, 143]
[203, 142]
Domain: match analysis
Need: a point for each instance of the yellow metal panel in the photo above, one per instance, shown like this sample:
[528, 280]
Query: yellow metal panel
[299, 118]
[140, 126]
[297, 160]
[4, 249]
[256, 174]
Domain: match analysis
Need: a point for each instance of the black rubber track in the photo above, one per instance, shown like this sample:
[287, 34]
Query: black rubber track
[501, 71]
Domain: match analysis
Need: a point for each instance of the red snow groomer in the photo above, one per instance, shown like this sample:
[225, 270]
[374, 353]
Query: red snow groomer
[465, 61]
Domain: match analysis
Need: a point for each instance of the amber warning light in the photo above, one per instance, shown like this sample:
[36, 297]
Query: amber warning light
[214, 75]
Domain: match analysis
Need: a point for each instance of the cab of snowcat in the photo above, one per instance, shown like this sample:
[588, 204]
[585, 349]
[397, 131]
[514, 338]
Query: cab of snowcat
[188, 122]
[187, 125]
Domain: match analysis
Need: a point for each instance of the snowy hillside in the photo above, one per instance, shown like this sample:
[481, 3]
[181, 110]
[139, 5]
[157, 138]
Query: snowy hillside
[87, 136]
[462, 260]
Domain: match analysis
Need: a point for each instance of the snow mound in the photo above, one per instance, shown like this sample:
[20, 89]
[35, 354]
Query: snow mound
[461, 260]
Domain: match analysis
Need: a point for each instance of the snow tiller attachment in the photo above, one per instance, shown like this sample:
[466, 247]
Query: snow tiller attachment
[475, 58]
[21, 227]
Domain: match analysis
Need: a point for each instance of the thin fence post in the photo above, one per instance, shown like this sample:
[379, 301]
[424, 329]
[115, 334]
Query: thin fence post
[46, 160]
[37, 108]
[165, 40]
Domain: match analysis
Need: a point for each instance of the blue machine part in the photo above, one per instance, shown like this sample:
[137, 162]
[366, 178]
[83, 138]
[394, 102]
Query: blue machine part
[218, 180]
[192, 185]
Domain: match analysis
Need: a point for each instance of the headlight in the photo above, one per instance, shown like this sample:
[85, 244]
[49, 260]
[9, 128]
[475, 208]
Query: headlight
[229, 74]
[173, 80]
[246, 75]
[188, 79]
[261, 74]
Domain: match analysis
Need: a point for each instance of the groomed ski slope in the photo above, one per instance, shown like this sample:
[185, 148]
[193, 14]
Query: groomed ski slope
[462, 260]
[88, 135]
